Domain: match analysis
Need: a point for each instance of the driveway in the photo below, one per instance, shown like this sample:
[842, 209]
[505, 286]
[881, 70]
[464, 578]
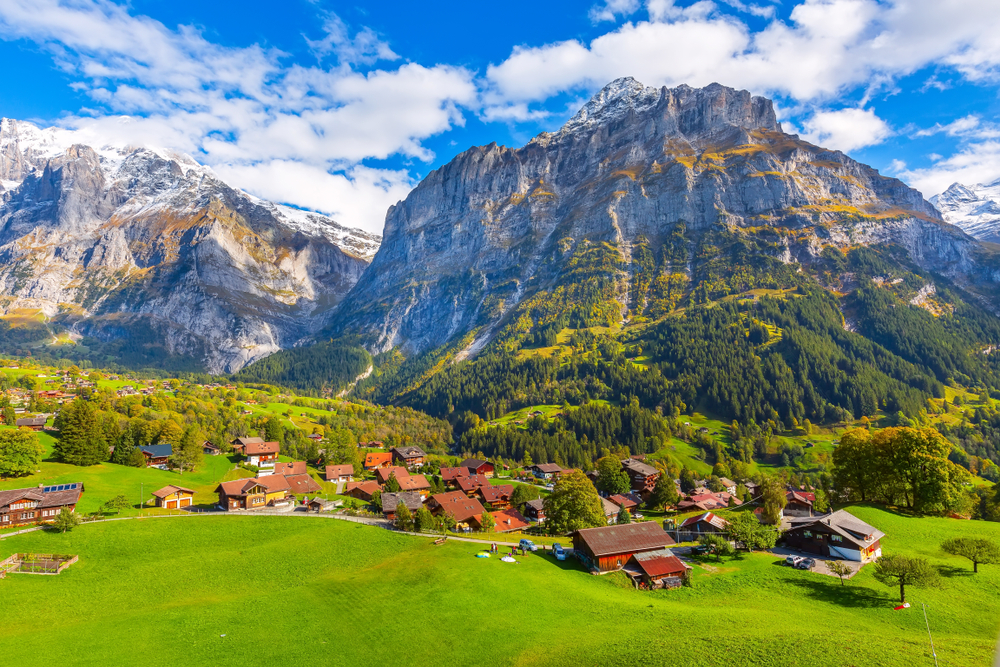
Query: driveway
[821, 563]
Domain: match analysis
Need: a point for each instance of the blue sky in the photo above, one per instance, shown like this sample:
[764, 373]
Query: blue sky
[343, 107]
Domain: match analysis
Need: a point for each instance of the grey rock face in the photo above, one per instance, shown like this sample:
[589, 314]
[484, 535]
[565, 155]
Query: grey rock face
[478, 234]
[96, 236]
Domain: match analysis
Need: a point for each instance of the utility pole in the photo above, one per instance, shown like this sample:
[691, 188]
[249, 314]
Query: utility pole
[141, 496]
[927, 623]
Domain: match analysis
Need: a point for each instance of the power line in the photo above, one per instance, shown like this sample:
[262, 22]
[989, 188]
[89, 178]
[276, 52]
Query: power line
[927, 623]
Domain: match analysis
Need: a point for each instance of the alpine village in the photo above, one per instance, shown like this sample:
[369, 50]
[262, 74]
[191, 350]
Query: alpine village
[667, 386]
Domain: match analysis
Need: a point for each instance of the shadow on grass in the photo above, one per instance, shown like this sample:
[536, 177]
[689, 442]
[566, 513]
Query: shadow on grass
[950, 571]
[842, 596]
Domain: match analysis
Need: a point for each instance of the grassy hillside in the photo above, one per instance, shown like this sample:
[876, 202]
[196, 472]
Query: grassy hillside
[314, 591]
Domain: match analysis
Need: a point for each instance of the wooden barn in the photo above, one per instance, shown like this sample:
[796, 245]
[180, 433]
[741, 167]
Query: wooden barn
[609, 548]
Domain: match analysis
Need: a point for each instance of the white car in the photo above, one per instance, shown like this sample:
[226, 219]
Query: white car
[559, 552]
[794, 560]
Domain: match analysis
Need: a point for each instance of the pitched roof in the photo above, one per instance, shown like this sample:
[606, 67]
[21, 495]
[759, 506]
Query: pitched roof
[31, 421]
[303, 484]
[800, 497]
[368, 488]
[274, 483]
[844, 523]
[458, 505]
[508, 520]
[408, 452]
[293, 468]
[55, 495]
[538, 505]
[247, 441]
[709, 518]
[660, 563]
[258, 448]
[170, 490]
[472, 482]
[609, 507]
[238, 487]
[377, 458]
[414, 483]
[639, 468]
[411, 498]
[451, 474]
[623, 501]
[157, 451]
[726, 482]
[339, 470]
[383, 474]
[547, 468]
[473, 464]
[494, 494]
[624, 538]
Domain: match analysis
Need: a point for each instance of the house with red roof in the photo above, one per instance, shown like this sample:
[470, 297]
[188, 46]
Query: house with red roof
[609, 548]
[292, 468]
[450, 475]
[467, 512]
[799, 503]
[497, 497]
[382, 475]
[340, 473]
[376, 460]
[361, 490]
[509, 520]
[705, 523]
[469, 485]
[657, 569]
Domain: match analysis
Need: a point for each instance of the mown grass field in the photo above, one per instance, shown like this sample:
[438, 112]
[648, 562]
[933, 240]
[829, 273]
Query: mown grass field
[286, 590]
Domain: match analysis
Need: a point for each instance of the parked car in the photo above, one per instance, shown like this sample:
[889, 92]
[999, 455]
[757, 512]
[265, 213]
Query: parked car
[550, 487]
[805, 564]
[699, 550]
[527, 545]
[794, 560]
[559, 552]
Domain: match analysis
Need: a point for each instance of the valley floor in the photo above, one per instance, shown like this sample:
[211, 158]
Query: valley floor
[240, 590]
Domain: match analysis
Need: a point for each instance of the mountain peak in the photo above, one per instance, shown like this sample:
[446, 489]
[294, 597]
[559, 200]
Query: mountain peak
[973, 208]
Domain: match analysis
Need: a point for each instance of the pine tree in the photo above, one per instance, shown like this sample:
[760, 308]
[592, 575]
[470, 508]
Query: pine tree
[81, 440]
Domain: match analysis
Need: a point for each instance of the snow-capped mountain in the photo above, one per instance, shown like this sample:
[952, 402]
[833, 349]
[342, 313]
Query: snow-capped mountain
[115, 240]
[976, 209]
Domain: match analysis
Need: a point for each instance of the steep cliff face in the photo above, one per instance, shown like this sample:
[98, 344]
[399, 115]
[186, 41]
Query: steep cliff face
[975, 209]
[639, 169]
[110, 240]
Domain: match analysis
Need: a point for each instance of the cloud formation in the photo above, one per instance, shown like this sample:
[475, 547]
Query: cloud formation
[846, 129]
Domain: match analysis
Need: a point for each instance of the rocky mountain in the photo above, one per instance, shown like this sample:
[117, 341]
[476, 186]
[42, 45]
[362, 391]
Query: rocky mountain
[646, 200]
[975, 209]
[150, 248]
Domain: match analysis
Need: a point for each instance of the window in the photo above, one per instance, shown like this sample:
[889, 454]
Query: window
[807, 534]
[836, 538]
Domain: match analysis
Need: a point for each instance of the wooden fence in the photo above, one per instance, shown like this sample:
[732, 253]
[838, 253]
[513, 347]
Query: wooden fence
[36, 563]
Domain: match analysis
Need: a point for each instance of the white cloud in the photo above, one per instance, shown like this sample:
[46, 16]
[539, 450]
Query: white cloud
[975, 163]
[968, 127]
[244, 112]
[612, 9]
[846, 129]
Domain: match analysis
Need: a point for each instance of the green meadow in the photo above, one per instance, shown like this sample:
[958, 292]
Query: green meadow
[223, 590]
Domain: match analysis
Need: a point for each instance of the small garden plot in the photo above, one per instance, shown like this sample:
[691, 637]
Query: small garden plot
[36, 564]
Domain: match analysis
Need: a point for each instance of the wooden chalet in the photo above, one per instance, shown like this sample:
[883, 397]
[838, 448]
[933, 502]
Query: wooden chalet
[610, 510]
[838, 535]
[642, 476]
[376, 460]
[728, 485]
[240, 444]
[361, 490]
[450, 476]
[657, 569]
[382, 475]
[610, 547]
[174, 497]
[798, 503]
[509, 520]
[535, 510]
[38, 504]
[340, 473]
[546, 470]
[210, 449]
[416, 483]
[477, 467]
[291, 468]
[262, 455]
[390, 501]
[276, 488]
[627, 501]
[707, 502]
[411, 457]
[157, 455]
[34, 423]
[705, 523]
[497, 497]
[318, 504]
[469, 485]
[466, 511]
[302, 484]
[242, 494]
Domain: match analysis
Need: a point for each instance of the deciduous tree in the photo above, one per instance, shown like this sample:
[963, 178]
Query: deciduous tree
[664, 494]
[903, 571]
[611, 477]
[839, 568]
[976, 549]
[573, 504]
[487, 522]
[774, 500]
[745, 528]
[65, 520]
[404, 519]
[117, 504]
[20, 452]
[522, 494]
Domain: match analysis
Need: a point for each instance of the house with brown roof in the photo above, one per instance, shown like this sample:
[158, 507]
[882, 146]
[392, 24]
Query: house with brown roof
[610, 510]
[262, 455]
[535, 510]
[240, 444]
[210, 449]
[409, 456]
[642, 476]
[39, 504]
[839, 534]
[610, 547]
[242, 494]
[497, 497]
[340, 473]
[301, 484]
[290, 468]
[276, 488]
[798, 503]
[707, 502]
[361, 490]
[545, 470]
[469, 485]
[382, 475]
[174, 497]
[34, 423]
[657, 569]
[376, 460]
[466, 511]
[450, 475]
[416, 483]
[390, 501]
[509, 520]
[705, 523]
[477, 467]
[625, 501]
